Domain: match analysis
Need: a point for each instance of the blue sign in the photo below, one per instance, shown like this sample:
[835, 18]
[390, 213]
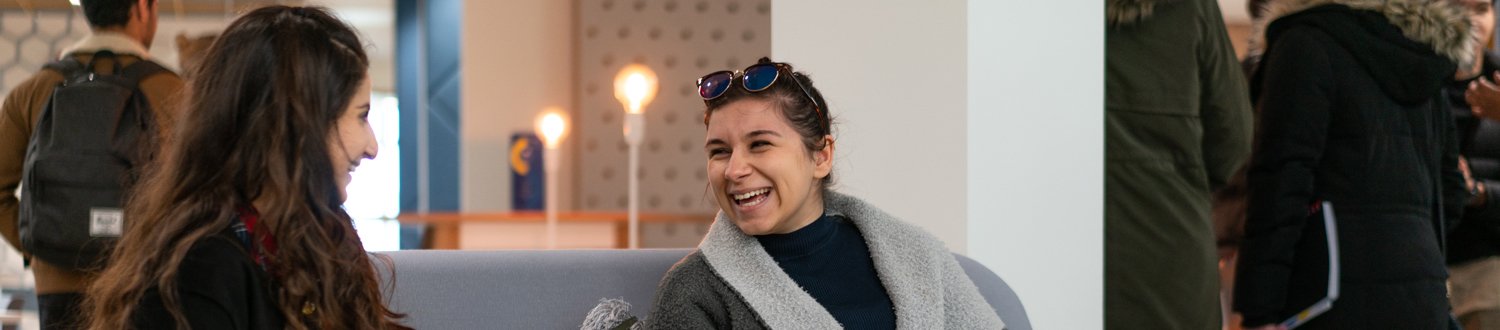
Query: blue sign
[528, 176]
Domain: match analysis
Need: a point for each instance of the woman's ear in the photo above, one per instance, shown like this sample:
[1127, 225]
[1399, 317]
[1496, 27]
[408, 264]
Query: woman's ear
[823, 158]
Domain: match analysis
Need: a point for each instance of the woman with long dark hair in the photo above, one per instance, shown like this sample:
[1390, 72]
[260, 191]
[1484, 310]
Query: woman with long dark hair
[240, 225]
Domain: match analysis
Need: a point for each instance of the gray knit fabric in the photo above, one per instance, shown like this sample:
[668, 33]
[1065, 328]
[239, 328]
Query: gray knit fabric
[691, 296]
[925, 283]
[609, 314]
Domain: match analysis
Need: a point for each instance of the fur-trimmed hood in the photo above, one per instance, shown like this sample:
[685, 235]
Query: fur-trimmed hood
[1440, 24]
[1127, 12]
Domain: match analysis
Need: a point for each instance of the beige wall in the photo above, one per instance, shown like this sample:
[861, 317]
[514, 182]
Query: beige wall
[517, 59]
[893, 74]
[521, 56]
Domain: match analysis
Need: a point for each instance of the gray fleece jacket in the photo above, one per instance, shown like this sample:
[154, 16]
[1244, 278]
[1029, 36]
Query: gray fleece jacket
[732, 283]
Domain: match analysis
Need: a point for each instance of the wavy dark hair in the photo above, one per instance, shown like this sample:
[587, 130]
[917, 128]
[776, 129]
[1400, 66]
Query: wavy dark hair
[259, 117]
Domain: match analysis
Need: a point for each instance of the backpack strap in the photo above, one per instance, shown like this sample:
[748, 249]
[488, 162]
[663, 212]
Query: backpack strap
[114, 61]
[69, 68]
[141, 69]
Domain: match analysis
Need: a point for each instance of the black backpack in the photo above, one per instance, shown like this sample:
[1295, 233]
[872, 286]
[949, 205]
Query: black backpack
[94, 136]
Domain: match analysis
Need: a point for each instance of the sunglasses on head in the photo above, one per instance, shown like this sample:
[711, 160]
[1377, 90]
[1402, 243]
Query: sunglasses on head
[756, 78]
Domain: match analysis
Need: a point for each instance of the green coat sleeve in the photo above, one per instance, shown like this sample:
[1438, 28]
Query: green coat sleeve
[1225, 114]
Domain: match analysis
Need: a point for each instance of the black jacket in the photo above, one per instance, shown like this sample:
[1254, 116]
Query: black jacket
[218, 287]
[1350, 113]
[1478, 234]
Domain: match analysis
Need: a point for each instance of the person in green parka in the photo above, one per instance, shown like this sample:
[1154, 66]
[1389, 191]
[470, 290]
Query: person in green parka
[1177, 126]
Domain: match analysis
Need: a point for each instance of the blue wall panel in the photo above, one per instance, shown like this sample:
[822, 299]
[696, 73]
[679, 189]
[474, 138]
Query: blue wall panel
[428, 82]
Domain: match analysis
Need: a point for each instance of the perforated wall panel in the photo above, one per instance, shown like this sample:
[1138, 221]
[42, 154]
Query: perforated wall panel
[29, 40]
[680, 40]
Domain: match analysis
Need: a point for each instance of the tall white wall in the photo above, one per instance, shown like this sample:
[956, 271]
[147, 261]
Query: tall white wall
[1036, 154]
[893, 75]
[517, 59]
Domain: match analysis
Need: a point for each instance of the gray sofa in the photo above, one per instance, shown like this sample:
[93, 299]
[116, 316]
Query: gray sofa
[522, 289]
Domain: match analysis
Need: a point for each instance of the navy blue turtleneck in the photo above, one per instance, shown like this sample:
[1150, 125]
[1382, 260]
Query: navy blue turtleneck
[831, 261]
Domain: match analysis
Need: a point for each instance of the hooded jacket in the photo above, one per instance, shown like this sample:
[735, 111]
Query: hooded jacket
[1351, 113]
[1177, 125]
[732, 283]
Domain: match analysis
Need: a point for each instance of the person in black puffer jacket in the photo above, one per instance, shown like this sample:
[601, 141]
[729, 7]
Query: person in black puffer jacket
[1349, 98]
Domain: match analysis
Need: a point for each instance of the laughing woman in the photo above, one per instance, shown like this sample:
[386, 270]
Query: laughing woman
[787, 252]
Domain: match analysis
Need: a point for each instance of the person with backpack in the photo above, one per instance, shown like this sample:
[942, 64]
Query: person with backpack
[77, 131]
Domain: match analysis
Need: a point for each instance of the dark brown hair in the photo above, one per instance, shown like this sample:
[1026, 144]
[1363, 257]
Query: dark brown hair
[109, 13]
[796, 106]
[260, 113]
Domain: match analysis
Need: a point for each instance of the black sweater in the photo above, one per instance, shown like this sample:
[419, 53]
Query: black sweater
[830, 260]
[218, 287]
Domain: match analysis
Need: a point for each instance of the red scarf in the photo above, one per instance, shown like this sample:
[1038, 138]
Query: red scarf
[264, 244]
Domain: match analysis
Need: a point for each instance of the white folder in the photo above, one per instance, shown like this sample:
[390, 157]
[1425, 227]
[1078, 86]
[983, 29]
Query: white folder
[1323, 305]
